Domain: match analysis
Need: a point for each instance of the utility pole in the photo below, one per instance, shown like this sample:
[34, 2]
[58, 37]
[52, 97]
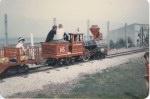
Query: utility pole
[126, 36]
[54, 21]
[108, 27]
[142, 36]
[88, 26]
[6, 29]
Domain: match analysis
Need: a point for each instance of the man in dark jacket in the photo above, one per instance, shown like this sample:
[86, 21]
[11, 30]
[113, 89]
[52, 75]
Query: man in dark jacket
[51, 34]
[66, 37]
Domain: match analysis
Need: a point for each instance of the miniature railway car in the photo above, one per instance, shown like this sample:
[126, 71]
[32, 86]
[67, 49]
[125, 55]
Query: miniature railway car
[13, 60]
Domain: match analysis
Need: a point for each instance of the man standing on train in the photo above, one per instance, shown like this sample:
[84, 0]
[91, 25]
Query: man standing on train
[51, 34]
[59, 33]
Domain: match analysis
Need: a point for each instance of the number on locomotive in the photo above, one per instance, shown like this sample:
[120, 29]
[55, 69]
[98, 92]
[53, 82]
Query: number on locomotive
[62, 49]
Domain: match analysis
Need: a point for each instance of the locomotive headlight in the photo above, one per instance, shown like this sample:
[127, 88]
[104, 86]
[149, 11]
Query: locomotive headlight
[102, 50]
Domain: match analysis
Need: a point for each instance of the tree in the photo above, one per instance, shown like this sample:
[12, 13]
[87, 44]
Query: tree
[120, 43]
[147, 40]
[130, 42]
[111, 44]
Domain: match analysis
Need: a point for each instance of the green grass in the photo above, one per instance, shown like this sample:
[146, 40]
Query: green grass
[122, 82]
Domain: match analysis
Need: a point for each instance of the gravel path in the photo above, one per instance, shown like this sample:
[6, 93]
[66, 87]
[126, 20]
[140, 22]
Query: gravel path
[37, 81]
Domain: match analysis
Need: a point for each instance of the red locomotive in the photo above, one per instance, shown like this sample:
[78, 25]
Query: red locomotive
[64, 52]
[54, 52]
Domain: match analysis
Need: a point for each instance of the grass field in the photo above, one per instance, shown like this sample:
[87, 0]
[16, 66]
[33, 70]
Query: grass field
[125, 81]
[122, 82]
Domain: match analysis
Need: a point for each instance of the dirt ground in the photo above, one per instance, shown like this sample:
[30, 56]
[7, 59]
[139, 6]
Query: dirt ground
[125, 81]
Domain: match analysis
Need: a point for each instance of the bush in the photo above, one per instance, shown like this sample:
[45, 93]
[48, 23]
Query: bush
[130, 42]
[120, 43]
[111, 44]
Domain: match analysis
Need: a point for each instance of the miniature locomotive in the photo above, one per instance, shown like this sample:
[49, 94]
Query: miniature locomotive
[64, 52]
[55, 53]
[96, 46]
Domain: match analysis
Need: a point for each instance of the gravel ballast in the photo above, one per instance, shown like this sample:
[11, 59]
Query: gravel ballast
[36, 81]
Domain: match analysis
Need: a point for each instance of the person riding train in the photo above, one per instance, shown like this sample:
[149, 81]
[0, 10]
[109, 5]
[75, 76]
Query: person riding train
[22, 48]
[57, 34]
[20, 44]
[51, 34]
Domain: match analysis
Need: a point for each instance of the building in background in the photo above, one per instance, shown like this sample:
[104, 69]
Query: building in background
[129, 35]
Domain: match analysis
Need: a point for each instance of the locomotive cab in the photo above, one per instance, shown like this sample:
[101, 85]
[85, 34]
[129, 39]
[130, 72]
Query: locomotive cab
[76, 43]
[76, 37]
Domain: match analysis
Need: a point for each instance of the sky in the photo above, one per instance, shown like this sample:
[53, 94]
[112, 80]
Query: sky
[36, 16]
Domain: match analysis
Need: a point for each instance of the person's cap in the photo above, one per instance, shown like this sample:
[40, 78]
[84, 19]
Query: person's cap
[21, 39]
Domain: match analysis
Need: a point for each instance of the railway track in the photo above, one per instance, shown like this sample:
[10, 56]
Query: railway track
[45, 67]
[127, 52]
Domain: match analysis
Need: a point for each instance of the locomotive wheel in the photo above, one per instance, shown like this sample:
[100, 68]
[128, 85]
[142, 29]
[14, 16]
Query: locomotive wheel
[67, 61]
[86, 55]
[23, 69]
[103, 56]
[26, 67]
[58, 62]
[50, 62]
[72, 60]
[61, 62]
[97, 55]
[11, 71]
[78, 59]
